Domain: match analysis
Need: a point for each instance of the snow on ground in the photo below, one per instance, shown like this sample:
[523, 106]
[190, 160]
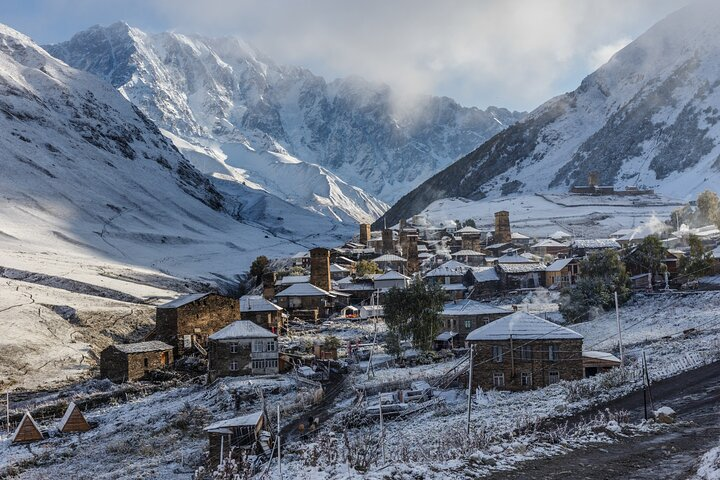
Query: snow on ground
[543, 214]
[709, 468]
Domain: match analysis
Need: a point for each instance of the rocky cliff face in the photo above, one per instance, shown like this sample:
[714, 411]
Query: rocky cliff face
[218, 92]
[649, 117]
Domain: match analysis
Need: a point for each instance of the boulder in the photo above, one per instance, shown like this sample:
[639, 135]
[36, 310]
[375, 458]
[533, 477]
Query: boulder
[664, 415]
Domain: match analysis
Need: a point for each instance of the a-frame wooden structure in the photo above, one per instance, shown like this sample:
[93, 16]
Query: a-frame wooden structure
[27, 430]
[73, 420]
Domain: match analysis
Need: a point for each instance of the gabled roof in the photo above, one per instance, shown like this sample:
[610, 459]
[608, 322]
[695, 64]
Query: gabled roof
[26, 418]
[335, 268]
[249, 420]
[293, 279]
[596, 243]
[257, 303]
[184, 300]
[303, 290]
[559, 235]
[453, 287]
[497, 245]
[445, 336]
[467, 229]
[141, 347]
[521, 267]
[559, 264]
[548, 242]
[513, 259]
[522, 326]
[467, 253]
[484, 274]
[388, 257]
[242, 329]
[72, 410]
[391, 275]
[472, 307]
[519, 236]
[450, 268]
[600, 356]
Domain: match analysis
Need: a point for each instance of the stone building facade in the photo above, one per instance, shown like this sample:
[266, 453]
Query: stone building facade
[242, 348]
[191, 319]
[502, 232]
[365, 233]
[133, 361]
[320, 268]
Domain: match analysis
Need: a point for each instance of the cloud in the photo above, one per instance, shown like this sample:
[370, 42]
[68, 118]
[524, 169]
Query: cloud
[602, 54]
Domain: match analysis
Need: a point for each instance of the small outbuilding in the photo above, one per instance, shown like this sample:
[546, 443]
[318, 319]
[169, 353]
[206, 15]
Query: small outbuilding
[27, 431]
[246, 434]
[133, 361]
[598, 362]
[73, 420]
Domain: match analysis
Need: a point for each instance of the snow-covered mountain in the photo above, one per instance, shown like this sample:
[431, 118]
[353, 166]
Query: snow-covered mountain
[86, 175]
[282, 128]
[649, 117]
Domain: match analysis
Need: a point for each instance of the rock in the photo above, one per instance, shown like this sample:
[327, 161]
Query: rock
[612, 426]
[664, 415]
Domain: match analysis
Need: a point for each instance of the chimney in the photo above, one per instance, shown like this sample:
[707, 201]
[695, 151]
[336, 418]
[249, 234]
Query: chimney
[364, 233]
[502, 232]
[320, 268]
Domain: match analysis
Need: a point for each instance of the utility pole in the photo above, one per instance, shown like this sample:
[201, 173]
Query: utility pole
[620, 341]
[7, 411]
[278, 443]
[647, 382]
[469, 404]
[382, 432]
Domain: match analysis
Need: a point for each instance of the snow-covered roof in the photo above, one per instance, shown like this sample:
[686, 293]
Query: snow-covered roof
[497, 245]
[335, 268]
[391, 275]
[184, 300]
[596, 243]
[453, 287]
[426, 255]
[467, 229]
[521, 267]
[445, 336]
[716, 253]
[388, 257]
[518, 236]
[513, 259]
[355, 287]
[485, 274]
[303, 290]
[242, 329]
[249, 420]
[558, 264]
[448, 269]
[301, 255]
[472, 307]
[560, 235]
[257, 303]
[293, 279]
[600, 356]
[467, 253]
[523, 326]
[140, 347]
[548, 242]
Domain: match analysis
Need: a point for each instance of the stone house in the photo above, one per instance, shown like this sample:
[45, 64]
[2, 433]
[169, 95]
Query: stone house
[186, 322]
[390, 261]
[450, 272]
[242, 348]
[338, 271]
[463, 316]
[523, 351]
[550, 247]
[262, 312]
[521, 275]
[133, 361]
[391, 279]
[483, 282]
[584, 247]
[562, 272]
[470, 258]
[301, 298]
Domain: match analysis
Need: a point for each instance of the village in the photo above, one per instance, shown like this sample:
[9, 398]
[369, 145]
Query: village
[310, 342]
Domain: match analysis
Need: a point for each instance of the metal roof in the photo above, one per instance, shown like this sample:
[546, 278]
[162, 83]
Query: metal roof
[303, 290]
[596, 243]
[141, 347]
[242, 329]
[257, 303]
[558, 264]
[523, 326]
[292, 279]
[472, 307]
[249, 420]
[485, 274]
[387, 258]
[449, 269]
[391, 275]
[521, 267]
[467, 253]
[179, 302]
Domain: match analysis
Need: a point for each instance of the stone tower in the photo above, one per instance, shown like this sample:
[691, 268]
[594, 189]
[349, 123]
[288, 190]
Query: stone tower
[320, 268]
[364, 233]
[411, 253]
[502, 227]
[388, 243]
[593, 179]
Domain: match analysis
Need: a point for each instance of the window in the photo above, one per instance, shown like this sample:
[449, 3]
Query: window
[145, 361]
[526, 352]
[552, 352]
[498, 379]
[257, 346]
[486, 320]
[497, 353]
[468, 324]
[233, 366]
[258, 364]
[271, 363]
[270, 346]
[233, 348]
[553, 376]
[526, 379]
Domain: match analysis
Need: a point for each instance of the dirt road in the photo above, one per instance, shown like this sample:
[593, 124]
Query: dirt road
[673, 454]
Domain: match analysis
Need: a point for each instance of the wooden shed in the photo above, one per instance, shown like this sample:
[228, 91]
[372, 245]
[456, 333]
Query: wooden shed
[27, 430]
[598, 362]
[241, 433]
[73, 420]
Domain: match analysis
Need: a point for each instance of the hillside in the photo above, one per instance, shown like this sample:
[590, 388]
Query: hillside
[649, 117]
[265, 121]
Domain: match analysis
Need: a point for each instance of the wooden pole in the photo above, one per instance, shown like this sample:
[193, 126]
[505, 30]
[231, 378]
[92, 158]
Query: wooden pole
[647, 380]
[620, 340]
[469, 404]
[7, 411]
[382, 432]
[222, 449]
[278, 443]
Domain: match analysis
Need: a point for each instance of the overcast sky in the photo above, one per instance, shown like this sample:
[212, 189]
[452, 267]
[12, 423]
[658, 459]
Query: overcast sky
[510, 53]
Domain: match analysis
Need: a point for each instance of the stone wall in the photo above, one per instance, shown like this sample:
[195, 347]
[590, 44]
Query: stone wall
[568, 365]
[364, 233]
[320, 268]
[502, 232]
[121, 367]
[456, 323]
[221, 356]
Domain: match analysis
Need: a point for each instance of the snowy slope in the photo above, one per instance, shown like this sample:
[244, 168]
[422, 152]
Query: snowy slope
[649, 117]
[223, 94]
[86, 176]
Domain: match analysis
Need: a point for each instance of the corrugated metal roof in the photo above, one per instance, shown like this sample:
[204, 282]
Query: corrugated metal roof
[523, 326]
[445, 336]
[151, 346]
[513, 259]
[292, 279]
[467, 253]
[521, 267]
[596, 243]
[257, 303]
[558, 264]
[472, 307]
[449, 269]
[387, 258]
[392, 275]
[249, 420]
[485, 274]
[242, 329]
[179, 302]
[303, 290]
[600, 356]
